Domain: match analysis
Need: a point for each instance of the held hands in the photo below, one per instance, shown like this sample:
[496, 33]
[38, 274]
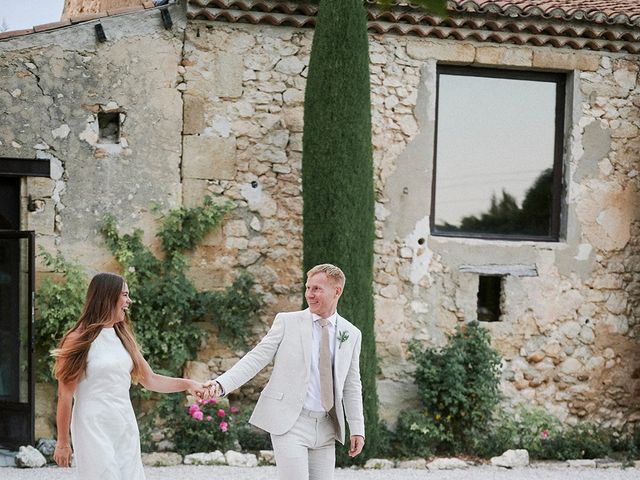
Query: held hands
[62, 455]
[357, 444]
[197, 389]
[213, 389]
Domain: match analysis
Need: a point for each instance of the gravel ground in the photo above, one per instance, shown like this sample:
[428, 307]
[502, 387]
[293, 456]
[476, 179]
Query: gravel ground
[185, 472]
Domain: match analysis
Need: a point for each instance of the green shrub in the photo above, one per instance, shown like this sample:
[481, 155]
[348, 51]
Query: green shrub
[204, 426]
[250, 437]
[417, 435]
[545, 438]
[458, 388]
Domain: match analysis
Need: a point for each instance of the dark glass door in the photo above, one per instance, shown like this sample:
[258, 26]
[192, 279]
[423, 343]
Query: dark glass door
[17, 256]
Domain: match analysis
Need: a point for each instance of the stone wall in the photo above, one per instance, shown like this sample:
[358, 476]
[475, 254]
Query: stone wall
[53, 85]
[568, 336]
[218, 108]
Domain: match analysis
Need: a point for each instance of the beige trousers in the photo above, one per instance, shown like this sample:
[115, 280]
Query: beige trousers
[308, 450]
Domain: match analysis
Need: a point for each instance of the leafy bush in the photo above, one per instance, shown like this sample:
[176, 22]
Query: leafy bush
[250, 437]
[417, 434]
[458, 389]
[205, 426]
[545, 438]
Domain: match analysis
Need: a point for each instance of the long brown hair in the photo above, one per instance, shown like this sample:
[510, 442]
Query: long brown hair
[102, 297]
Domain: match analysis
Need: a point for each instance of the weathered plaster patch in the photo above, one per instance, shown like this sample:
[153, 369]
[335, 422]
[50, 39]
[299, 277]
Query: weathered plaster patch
[61, 132]
[421, 253]
[596, 144]
[90, 133]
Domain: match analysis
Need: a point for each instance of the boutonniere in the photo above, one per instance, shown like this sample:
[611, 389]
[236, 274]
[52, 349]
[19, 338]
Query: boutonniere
[343, 336]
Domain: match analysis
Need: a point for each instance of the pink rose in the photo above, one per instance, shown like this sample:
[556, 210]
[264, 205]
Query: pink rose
[544, 435]
[221, 413]
[234, 410]
[224, 426]
[209, 418]
[198, 415]
[193, 408]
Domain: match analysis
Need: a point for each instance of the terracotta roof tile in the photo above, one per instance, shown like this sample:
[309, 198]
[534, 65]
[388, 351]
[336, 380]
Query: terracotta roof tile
[15, 33]
[512, 22]
[569, 7]
[51, 26]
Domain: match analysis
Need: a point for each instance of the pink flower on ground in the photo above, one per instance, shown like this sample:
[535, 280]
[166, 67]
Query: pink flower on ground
[224, 426]
[234, 410]
[221, 413]
[544, 435]
[193, 408]
[198, 415]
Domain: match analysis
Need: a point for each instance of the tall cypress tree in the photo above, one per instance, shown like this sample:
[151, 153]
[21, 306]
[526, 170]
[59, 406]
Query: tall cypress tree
[337, 175]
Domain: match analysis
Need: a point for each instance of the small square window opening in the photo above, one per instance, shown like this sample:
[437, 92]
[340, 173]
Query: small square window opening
[489, 298]
[109, 127]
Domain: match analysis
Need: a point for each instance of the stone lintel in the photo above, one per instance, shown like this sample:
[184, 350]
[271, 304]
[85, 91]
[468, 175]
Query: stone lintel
[516, 270]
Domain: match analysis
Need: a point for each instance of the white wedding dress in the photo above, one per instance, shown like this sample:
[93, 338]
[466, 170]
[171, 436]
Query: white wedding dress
[104, 430]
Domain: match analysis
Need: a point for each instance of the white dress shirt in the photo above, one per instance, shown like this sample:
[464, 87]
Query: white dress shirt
[313, 400]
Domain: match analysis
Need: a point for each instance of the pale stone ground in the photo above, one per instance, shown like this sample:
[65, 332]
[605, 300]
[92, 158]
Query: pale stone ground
[184, 472]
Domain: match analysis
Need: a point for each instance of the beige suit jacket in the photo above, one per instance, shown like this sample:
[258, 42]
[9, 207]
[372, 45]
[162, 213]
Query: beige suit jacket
[288, 344]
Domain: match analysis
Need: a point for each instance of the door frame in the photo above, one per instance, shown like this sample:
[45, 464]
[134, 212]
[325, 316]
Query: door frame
[30, 405]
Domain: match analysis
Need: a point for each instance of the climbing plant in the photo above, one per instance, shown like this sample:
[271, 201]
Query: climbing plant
[168, 313]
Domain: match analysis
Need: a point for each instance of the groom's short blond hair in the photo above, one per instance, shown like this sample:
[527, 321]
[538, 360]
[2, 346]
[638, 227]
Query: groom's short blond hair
[332, 272]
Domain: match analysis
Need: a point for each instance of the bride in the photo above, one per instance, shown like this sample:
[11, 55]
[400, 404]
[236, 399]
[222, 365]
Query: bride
[94, 366]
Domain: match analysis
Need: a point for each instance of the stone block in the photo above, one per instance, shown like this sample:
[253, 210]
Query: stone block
[193, 192]
[581, 463]
[414, 464]
[378, 464]
[201, 458]
[501, 56]
[267, 457]
[447, 464]
[552, 59]
[193, 115]
[198, 371]
[209, 157]
[237, 459]
[512, 459]
[29, 457]
[40, 187]
[43, 219]
[450, 52]
[294, 119]
[216, 75]
[161, 459]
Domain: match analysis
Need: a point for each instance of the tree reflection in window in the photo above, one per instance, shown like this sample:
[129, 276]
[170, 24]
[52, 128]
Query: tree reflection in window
[505, 217]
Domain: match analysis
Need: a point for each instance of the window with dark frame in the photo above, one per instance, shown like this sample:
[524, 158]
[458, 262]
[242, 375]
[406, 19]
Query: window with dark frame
[489, 298]
[498, 154]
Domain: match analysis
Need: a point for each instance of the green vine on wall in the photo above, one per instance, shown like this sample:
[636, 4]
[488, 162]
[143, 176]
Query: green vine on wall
[168, 313]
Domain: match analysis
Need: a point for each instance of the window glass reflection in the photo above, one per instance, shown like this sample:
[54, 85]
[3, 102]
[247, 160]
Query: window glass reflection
[494, 155]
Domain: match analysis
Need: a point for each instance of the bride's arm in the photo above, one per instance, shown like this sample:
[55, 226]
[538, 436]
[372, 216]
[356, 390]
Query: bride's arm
[163, 384]
[62, 453]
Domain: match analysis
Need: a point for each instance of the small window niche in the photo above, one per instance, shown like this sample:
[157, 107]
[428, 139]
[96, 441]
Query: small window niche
[489, 298]
[109, 127]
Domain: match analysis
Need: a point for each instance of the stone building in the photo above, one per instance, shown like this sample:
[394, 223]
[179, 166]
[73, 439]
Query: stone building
[530, 110]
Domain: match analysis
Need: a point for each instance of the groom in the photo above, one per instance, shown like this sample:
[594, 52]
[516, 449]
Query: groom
[314, 384]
